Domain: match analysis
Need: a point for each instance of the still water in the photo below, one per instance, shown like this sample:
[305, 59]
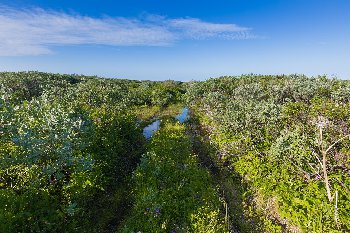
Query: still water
[149, 130]
[152, 128]
[183, 116]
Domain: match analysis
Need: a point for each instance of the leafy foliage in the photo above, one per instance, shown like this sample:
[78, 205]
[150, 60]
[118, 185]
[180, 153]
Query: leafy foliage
[68, 146]
[73, 159]
[267, 129]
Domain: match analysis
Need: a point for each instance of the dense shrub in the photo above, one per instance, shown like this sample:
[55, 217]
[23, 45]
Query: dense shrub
[274, 132]
[68, 146]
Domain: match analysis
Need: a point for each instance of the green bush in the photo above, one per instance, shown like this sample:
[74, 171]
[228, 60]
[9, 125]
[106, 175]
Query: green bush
[67, 149]
[268, 130]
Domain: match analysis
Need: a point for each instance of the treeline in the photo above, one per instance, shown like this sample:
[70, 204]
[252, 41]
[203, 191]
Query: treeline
[287, 139]
[68, 146]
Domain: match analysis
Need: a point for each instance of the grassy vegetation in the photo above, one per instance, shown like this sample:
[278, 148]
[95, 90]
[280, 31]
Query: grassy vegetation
[261, 154]
[287, 139]
[148, 113]
[172, 193]
[243, 213]
[68, 147]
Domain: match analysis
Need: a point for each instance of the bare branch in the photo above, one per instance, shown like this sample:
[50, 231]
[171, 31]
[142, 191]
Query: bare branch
[340, 139]
[324, 163]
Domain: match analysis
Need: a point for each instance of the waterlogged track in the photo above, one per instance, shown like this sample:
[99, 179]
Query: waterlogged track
[152, 128]
[171, 192]
[69, 145]
[84, 165]
[183, 116]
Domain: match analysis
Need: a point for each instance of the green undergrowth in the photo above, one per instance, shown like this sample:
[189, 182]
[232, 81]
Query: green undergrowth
[171, 192]
[245, 214]
[68, 147]
[146, 114]
[287, 139]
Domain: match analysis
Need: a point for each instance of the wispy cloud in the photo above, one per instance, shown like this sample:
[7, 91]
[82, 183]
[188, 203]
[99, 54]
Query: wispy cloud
[197, 29]
[35, 31]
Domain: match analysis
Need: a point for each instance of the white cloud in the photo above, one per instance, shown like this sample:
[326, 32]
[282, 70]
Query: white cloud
[35, 31]
[197, 29]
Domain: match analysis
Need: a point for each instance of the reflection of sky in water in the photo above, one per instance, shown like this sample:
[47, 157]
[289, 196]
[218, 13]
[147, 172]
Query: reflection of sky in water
[149, 130]
[183, 116]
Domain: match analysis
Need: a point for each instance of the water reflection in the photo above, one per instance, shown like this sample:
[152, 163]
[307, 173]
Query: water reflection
[152, 128]
[183, 116]
[149, 130]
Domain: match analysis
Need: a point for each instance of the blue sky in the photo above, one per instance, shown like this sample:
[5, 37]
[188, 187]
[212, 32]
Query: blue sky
[181, 40]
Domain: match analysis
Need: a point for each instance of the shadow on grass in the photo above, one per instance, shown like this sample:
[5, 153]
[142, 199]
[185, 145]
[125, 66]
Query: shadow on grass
[243, 214]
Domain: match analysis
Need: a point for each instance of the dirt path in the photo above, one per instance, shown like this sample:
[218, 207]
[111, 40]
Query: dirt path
[232, 189]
